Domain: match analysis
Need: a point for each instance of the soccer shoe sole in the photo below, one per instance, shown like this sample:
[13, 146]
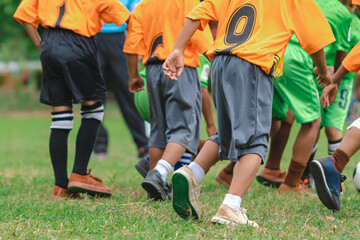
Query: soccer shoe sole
[321, 186]
[154, 190]
[89, 189]
[267, 182]
[184, 205]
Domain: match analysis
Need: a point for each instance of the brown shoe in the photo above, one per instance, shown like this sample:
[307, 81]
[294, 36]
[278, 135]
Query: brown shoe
[88, 184]
[63, 193]
[224, 177]
[301, 188]
[271, 178]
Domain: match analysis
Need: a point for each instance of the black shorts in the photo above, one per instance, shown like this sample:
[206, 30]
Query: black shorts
[71, 69]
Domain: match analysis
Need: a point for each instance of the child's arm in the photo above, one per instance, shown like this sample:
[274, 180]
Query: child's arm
[328, 94]
[33, 34]
[174, 64]
[324, 78]
[136, 83]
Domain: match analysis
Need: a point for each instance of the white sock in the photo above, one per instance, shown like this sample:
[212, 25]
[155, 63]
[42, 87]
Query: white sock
[163, 167]
[333, 146]
[197, 170]
[232, 201]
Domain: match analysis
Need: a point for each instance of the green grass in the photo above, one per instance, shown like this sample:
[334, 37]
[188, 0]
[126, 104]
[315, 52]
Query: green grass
[26, 181]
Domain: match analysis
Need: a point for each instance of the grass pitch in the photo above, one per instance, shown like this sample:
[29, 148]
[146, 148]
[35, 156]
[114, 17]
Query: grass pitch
[26, 181]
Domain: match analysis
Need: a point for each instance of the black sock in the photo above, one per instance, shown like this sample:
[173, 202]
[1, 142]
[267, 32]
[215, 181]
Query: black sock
[84, 144]
[58, 154]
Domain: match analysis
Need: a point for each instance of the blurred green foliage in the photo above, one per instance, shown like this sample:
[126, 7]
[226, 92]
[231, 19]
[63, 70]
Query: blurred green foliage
[14, 42]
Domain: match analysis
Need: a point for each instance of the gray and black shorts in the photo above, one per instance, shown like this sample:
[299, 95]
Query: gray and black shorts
[175, 108]
[243, 94]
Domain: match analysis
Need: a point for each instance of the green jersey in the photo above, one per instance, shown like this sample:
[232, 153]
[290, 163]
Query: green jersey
[339, 19]
[354, 39]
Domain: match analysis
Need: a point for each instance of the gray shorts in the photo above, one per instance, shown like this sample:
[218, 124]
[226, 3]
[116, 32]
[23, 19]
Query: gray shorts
[175, 108]
[243, 95]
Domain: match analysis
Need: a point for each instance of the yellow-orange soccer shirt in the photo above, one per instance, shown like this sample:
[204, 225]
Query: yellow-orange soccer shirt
[258, 30]
[83, 17]
[352, 60]
[356, 2]
[154, 27]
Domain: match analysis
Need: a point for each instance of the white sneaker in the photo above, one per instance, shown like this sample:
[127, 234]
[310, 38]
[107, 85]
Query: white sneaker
[227, 215]
[186, 191]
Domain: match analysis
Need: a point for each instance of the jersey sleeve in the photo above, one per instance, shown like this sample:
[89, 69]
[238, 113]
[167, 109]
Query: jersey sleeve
[112, 11]
[202, 40]
[352, 60]
[312, 35]
[342, 34]
[356, 2]
[28, 12]
[134, 42]
[206, 11]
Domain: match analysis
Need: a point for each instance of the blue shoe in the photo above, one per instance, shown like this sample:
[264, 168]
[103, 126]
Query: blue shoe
[327, 181]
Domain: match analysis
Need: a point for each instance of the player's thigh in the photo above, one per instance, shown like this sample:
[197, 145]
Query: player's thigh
[297, 87]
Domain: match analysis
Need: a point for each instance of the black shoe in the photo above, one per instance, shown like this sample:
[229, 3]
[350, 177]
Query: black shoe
[156, 187]
[143, 167]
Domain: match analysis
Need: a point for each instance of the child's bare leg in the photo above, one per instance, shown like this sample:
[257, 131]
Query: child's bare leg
[303, 146]
[155, 155]
[208, 155]
[347, 148]
[244, 172]
[278, 142]
[334, 137]
[351, 142]
[173, 153]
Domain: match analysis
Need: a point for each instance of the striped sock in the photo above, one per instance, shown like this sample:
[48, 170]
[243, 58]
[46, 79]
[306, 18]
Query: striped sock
[184, 160]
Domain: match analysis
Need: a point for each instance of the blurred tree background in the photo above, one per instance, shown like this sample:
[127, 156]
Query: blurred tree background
[14, 42]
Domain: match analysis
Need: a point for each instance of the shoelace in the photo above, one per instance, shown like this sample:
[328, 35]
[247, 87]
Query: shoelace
[95, 178]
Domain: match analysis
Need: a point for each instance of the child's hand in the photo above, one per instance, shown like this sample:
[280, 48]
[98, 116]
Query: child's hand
[136, 84]
[324, 78]
[174, 65]
[211, 130]
[328, 95]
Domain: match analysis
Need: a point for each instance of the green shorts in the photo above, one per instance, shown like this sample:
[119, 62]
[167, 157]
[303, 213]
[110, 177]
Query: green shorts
[279, 107]
[335, 115]
[297, 87]
[204, 71]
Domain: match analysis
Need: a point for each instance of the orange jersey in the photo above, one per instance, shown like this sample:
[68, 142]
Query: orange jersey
[258, 30]
[352, 60]
[154, 27]
[356, 2]
[83, 17]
